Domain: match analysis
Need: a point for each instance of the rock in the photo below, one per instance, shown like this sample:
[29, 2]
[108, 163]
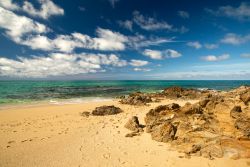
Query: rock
[164, 132]
[236, 112]
[137, 99]
[245, 97]
[178, 92]
[173, 92]
[204, 102]
[212, 151]
[194, 149]
[243, 124]
[189, 108]
[133, 124]
[85, 114]
[132, 134]
[160, 114]
[106, 110]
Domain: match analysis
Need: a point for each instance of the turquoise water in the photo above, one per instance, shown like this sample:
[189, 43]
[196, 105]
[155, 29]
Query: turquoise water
[30, 91]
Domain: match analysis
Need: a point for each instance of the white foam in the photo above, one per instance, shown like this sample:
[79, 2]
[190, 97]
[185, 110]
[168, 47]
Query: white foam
[78, 100]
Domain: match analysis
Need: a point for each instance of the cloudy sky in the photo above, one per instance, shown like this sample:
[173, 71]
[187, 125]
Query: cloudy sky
[124, 39]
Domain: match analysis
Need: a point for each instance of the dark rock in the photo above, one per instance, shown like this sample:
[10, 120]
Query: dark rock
[106, 110]
[137, 99]
[236, 112]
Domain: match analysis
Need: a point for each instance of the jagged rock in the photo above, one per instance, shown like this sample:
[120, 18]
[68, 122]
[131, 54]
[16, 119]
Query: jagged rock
[85, 114]
[106, 110]
[160, 114]
[164, 132]
[137, 99]
[236, 112]
[133, 124]
[243, 124]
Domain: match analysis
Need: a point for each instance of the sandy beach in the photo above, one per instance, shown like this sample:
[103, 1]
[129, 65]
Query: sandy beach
[57, 135]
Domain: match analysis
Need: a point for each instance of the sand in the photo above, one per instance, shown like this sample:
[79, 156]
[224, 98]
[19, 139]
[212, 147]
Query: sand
[56, 135]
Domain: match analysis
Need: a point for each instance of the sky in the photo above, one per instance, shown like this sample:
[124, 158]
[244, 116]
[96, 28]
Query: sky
[125, 39]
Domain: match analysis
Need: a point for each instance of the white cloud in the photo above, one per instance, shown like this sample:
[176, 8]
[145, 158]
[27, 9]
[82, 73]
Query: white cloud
[195, 44]
[156, 54]
[138, 63]
[8, 4]
[127, 24]
[140, 41]
[245, 55]
[235, 39]
[27, 32]
[170, 53]
[106, 40]
[58, 64]
[113, 2]
[142, 69]
[48, 9]
[149, 23]
[183, 14]
[242, 12]
[153, 54]
[211, 46]
[18, 26]
[215, 58]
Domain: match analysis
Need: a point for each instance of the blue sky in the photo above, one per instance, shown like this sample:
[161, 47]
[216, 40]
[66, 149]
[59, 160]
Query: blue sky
[124, 39]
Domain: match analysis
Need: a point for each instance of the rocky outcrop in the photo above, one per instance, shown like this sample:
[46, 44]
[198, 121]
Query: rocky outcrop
[106, 110]
[196, 129]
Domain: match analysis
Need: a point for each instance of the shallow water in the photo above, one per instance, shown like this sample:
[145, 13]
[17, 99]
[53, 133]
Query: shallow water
[54, 91]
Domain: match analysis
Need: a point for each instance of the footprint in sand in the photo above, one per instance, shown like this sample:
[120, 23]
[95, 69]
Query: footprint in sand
[106, 156]
[12, 141]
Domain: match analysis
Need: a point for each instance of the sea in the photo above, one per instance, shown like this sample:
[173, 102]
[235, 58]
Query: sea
[27, 91]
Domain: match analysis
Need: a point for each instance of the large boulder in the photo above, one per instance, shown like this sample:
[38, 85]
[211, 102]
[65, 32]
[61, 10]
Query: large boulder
[106, 110]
